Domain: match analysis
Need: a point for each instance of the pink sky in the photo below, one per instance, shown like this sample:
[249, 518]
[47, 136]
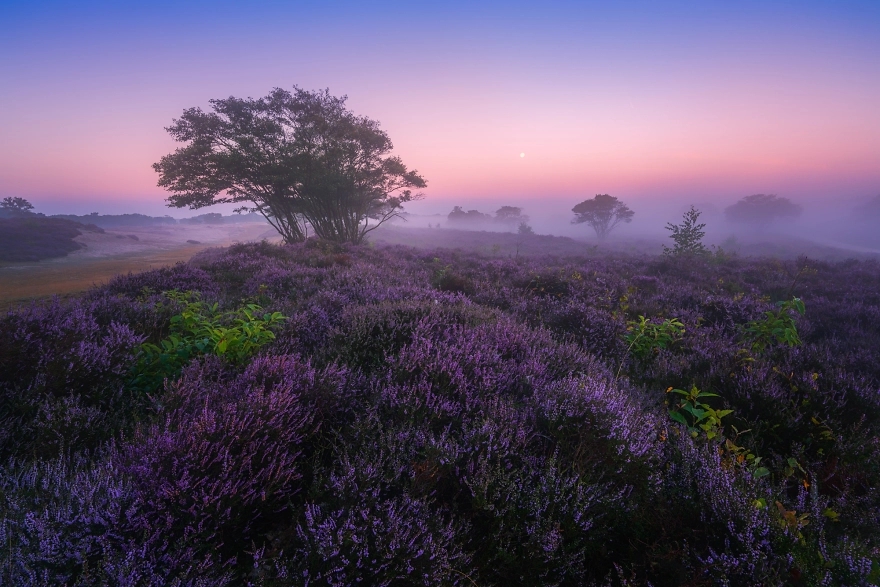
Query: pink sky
[699, 104]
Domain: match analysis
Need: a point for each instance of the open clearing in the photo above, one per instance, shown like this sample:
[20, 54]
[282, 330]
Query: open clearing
[107, 255]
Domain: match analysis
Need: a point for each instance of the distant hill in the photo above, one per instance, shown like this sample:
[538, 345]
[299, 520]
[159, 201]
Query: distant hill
[34, 238]
[121, 220]
[117, 220]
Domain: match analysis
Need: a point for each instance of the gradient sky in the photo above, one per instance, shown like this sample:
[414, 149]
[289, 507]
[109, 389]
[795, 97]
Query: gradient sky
[706, 100]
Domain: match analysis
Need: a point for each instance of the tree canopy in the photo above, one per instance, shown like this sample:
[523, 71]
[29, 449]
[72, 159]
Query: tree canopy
[300, 158]
[761, 210]
[13, 206]
[603, 213]
[458, 215]
[511, 216]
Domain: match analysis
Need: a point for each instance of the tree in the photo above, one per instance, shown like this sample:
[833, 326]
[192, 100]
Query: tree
[16, 207]
[511, 216]
[458, 215]
[688, 236]
[525, 230]
[761, 210]
[300, 158]
[603, 213]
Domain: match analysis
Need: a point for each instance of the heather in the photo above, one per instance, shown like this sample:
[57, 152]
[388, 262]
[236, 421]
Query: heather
[319, 414]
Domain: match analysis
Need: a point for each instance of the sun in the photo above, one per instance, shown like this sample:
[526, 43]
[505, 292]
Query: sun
[521, 155]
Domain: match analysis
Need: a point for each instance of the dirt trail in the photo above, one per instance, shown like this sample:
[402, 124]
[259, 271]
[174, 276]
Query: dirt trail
[114, 252]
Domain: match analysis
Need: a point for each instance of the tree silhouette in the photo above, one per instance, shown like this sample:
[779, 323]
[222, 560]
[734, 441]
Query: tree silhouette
[603, 213]
[458, 215]
[16, 206]
[688, 236]
[761, 210]
[301, 159]
[511, 216]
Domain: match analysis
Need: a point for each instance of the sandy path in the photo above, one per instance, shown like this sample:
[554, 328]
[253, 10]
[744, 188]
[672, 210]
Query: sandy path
[114, 252]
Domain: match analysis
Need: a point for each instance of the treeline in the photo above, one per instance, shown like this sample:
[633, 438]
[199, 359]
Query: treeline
[509, 217]
[119, 220]
[14, 207]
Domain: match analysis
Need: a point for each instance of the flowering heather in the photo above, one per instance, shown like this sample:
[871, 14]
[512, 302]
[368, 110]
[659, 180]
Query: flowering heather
[444, 418]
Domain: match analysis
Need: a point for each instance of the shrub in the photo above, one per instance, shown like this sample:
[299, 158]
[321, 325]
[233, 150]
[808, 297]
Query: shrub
[688, 236]
[201, 329]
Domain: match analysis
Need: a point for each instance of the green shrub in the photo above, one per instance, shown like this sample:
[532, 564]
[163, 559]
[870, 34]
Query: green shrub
[646, 337]
[777, 326]
[688, 236]
[202, 329]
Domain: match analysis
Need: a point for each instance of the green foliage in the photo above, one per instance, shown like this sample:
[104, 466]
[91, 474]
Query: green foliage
[688, 236]
[697, 416]
[694, 413]
[646, 337]
[777, 326]
[202, 329]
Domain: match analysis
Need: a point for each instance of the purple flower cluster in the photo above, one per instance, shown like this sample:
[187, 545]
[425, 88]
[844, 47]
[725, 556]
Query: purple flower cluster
[442, 418]
[62, 374]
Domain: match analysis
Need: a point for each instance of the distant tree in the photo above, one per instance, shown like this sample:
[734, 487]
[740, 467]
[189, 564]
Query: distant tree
[210, 218]
[761, 210]
[511, 216]
[525, 230]
[298, 158]
[16, 207]
[688, 236]
[603, 213]
[458, 215]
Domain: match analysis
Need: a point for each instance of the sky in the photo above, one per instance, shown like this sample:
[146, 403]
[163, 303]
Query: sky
[703, 101]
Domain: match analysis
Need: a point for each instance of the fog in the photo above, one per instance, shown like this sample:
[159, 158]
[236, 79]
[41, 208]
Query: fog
[840, 223]
[832, 222]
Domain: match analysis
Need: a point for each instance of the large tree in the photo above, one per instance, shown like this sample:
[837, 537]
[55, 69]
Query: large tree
[511, 216]
[760, 210]
[603, 213]
[300, 158]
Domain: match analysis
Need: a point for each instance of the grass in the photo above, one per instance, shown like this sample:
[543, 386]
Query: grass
[23, 283]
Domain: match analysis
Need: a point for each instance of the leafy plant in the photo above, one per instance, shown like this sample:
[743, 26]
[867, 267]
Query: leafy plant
[688, 236]
[697, 416]
[777, 326]
[202, 329]
[743, 456]
[694, 413]
[644, 337]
